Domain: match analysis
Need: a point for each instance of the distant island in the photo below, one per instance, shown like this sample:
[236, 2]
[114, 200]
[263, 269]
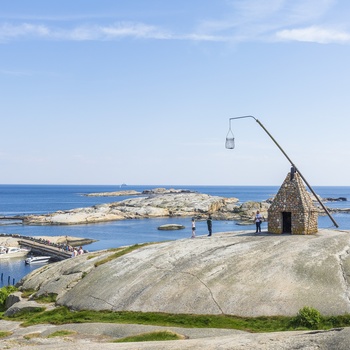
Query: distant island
[161, 202]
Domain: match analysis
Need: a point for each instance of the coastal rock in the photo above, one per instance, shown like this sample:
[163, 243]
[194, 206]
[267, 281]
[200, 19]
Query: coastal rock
[21, 306]
[113, 194]
[171, 227]
[13, 298]
[165, 191]
[235, 273]
[166, 205]
[243, 213]
[339, 199]
[59, 278]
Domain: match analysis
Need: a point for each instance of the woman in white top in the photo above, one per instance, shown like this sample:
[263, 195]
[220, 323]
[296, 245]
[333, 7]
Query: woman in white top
[258, 220]
[193, 228]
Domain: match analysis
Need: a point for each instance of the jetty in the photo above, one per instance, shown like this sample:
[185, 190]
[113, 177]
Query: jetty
[56, 252]
[46, 246]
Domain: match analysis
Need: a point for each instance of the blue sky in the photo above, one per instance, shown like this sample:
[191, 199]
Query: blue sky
[140, 92]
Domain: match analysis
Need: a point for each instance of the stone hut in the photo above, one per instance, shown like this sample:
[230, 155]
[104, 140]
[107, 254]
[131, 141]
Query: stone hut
[292, 210]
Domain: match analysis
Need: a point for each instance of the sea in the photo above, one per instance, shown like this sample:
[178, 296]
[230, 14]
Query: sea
[43, 199]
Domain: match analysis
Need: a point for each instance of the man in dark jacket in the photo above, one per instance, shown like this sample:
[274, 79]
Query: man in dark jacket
[209, 223]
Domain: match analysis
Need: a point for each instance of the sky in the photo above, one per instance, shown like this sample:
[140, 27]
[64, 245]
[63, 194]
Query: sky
[141, 92]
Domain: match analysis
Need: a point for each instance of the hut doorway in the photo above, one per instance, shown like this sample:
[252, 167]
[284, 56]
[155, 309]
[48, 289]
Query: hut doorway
[287, 222]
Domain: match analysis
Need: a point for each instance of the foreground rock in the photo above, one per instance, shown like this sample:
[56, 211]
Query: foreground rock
[236, 273]
[96, 336]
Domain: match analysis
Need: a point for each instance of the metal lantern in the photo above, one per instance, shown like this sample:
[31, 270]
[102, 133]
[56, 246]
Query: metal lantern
[230, 140]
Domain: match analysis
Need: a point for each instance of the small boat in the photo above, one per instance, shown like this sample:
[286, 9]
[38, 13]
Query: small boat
[12, 252]
[37, 259]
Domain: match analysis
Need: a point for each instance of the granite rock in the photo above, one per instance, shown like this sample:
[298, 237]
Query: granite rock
[235, 273]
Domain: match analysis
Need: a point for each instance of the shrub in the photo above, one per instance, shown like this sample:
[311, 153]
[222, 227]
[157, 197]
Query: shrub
[4, 293]
[307, 317]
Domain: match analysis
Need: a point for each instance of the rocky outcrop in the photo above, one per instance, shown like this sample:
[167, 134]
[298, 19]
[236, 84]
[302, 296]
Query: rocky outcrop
[160, 202]
[235, 273]
[12, 299]
[165, 205]
[339, 199]
[154, 191]
[113, 194]
[169, 227]
[162, 190]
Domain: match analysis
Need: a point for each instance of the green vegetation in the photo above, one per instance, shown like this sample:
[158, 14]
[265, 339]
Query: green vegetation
[61, 333]
[27, 293]
[32, 336]
[46, 298]
[153, 336]
[4, 334]
[307, 318]
[4, 293]
[120, 252]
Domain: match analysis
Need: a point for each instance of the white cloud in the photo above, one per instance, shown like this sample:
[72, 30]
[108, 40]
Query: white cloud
[253, 20]
[8, 31]
[245, 20]
[81, 33]
[137, 30]
[314, 34]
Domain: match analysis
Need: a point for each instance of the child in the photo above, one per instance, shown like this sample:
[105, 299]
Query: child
[193, 228]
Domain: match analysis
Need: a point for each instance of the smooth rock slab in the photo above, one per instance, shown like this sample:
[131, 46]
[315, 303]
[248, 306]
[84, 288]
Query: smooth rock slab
[236, 273]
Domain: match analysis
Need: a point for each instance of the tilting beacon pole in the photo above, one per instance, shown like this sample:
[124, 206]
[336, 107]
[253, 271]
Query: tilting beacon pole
[230, 144]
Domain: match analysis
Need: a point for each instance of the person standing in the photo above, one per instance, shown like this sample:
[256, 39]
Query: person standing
[258, 220]
[193, 228]
[210, 225]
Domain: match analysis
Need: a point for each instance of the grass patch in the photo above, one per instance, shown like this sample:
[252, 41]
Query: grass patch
[63, 315]
[27, 293]
[4, 334]
[152, 336]
[120, 252]
[46, 298]
[61, 333]
[32, 336]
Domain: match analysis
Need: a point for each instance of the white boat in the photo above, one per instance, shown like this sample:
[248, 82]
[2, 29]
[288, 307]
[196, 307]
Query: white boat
[37, 259]
[12, 252]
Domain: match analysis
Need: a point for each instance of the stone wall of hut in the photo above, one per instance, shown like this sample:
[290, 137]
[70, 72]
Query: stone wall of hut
[293, 198]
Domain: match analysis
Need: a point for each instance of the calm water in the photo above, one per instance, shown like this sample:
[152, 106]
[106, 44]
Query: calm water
[37, 199]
